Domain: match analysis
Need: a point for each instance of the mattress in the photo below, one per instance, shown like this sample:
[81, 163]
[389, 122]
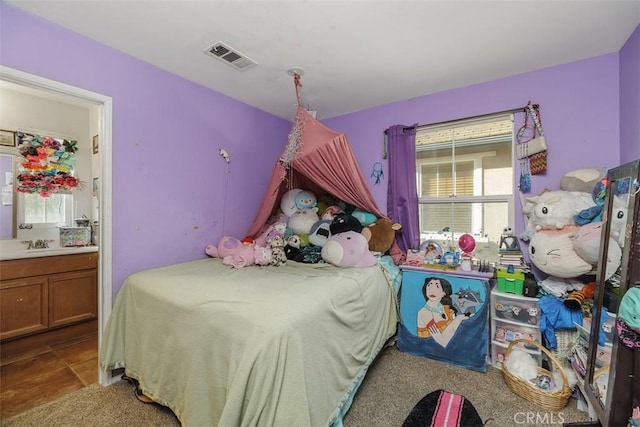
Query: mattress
[256, 346]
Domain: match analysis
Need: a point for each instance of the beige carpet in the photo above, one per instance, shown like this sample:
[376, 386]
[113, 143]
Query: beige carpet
[394, 384]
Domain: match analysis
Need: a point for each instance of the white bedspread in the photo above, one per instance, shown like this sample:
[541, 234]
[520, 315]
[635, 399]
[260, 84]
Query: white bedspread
[257, 346]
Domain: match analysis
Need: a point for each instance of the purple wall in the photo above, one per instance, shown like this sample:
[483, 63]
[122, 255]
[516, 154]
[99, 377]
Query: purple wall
[630, 98]
[171, 193]
[579, 107]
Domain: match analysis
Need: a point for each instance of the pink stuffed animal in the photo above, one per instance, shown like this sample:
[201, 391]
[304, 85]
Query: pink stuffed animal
[276, 229]
[348, 249]
[263, 256]
[233, 252]
[586, 243]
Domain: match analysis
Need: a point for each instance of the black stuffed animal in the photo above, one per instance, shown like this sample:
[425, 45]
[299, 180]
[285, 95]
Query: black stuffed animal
[344, 222]
[293, 253]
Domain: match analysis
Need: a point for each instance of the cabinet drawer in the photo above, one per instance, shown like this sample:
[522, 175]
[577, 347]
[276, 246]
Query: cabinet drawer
[507, 331]
[73, 297]
[515, 308]
[23, 306]
[28, 267]
[498, 351]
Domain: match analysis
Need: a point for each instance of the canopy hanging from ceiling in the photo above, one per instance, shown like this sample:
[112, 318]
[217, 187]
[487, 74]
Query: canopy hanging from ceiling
[316, 159]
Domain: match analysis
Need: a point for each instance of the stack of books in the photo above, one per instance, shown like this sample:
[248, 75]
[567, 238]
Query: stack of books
[512, 257]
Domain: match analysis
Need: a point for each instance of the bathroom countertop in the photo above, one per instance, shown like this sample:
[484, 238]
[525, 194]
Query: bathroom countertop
[11, 250]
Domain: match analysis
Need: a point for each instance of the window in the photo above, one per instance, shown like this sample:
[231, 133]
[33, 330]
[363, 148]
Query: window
[54, 209]
[465, 181]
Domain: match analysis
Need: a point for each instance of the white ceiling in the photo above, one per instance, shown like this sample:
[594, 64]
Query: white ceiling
[354, 54]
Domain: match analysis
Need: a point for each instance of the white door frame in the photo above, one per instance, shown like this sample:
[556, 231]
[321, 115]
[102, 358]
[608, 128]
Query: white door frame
[104, 192]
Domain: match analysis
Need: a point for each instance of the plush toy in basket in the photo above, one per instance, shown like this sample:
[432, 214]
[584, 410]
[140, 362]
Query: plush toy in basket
[549, 390]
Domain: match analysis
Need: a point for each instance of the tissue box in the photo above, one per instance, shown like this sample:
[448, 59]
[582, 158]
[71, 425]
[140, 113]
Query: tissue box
[75, 236]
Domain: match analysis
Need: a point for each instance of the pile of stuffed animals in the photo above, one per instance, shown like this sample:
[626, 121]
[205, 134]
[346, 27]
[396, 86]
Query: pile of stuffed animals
[311, 230]
[564, 226]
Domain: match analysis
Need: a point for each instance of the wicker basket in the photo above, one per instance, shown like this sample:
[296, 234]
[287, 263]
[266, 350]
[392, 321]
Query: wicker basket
[553, 400]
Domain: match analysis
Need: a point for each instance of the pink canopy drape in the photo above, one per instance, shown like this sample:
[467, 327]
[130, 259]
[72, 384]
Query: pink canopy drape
[324, 162]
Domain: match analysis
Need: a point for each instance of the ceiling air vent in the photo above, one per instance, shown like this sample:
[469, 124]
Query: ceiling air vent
[230, 56]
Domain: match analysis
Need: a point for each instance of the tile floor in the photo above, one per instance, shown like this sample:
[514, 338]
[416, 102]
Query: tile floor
[37, 379]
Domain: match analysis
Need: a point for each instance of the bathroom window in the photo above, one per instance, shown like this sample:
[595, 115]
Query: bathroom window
[53, 210]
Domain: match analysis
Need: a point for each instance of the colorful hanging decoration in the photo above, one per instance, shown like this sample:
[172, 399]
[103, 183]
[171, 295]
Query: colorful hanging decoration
[47, 166]
[294, 142]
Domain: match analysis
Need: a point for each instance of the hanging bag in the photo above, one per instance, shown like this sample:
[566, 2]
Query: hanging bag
[537, 147]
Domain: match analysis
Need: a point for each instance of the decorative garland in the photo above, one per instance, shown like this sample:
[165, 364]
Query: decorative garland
[47, 166]
[294, 142]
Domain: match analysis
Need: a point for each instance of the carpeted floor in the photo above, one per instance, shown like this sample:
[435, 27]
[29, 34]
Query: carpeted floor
[394, 384]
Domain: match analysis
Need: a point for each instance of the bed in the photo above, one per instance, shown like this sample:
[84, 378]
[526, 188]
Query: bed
[255, 346]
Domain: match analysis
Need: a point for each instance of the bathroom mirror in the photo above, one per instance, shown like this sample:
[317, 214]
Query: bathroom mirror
[9, 203]
[34, 111]
[23, 215]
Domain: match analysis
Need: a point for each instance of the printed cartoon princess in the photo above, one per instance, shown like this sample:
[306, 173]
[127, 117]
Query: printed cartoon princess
[437, 319]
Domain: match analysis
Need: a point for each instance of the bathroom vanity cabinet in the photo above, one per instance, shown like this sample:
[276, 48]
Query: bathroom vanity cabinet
[47, 300]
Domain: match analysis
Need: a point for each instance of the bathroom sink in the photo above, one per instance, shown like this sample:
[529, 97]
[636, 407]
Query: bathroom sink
[11, 250]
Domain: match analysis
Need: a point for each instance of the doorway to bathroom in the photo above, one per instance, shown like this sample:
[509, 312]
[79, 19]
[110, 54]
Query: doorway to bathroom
[101, 105]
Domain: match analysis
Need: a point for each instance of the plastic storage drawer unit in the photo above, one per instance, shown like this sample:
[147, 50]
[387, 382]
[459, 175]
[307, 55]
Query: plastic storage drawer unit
[515, 308]
[510, 282]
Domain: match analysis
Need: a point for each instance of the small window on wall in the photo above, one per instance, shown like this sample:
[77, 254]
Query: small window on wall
[52, 210]
[465, 181]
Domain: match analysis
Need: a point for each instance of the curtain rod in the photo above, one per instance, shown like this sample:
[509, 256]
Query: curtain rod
[513, 110]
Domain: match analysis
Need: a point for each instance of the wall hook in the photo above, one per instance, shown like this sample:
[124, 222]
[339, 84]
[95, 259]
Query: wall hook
[224, 154]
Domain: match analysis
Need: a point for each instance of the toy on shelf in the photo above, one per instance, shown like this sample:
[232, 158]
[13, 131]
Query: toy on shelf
[432, 251]
[467, 244]
[510, 256]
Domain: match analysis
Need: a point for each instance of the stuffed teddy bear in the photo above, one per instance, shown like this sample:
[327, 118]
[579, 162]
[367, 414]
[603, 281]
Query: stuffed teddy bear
[555, 209]
[288, 202]
[330, 212]
[586, 243]
[293, 240]
[582, 179]
[278, 255]
[553, 252]
[305, 200]
[263, 256]
[348, 249]
[381, 234]
[302, 220]
[233, 252]
[275, 229]
[618, 220]
[365, 218]
[320, 233]
[344, 222]
[293, 253]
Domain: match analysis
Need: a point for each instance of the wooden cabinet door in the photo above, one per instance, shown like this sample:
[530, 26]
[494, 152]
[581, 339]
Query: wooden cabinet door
[23, 306]
[73, 297]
